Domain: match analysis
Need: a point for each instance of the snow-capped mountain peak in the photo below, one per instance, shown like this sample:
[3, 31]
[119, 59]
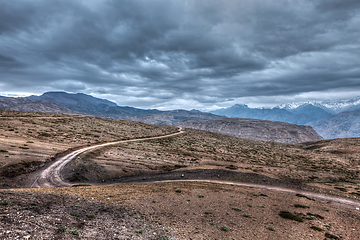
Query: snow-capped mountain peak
[332, 106]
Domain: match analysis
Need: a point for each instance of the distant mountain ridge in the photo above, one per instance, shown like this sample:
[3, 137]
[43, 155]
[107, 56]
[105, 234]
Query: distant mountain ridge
[312, 111]
[297, 116]
[91, 105]
[79, 103]
[315, 114]
[331, 106]
[342, 125]
[340, 117]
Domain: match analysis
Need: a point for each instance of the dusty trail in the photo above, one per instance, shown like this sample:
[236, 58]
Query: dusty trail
[318, 196]
[51, 176]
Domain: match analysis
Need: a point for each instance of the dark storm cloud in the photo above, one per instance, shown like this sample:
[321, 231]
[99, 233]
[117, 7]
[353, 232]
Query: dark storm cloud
[187, 54]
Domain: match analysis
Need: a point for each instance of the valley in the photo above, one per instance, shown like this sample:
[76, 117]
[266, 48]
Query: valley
[179, 185]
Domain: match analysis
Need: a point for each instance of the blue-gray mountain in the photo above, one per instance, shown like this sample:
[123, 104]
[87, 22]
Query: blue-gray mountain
[90, 105]
[342, 125]
[331, 119]
[310, 112]
[330, 106]
[297, 116]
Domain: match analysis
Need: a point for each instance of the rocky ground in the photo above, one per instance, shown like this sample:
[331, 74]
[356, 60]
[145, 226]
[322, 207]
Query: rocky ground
[35, 215]
[179, 210]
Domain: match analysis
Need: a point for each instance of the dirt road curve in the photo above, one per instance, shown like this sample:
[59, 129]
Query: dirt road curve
[51, 177]
[318, 196]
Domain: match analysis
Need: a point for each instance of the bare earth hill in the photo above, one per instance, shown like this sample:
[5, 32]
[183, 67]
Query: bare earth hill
[255, 129]
[173, 117]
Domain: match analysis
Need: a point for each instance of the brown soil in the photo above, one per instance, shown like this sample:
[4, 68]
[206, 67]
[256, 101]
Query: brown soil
[29, 215]
[247, 213]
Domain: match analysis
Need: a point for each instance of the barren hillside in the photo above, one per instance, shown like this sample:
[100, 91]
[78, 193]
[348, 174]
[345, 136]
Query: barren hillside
[255, 129]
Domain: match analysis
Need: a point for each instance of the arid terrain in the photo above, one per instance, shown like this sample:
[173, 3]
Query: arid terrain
[255, 129]
[116, 193]
[330, 162]
[29, 140]
[182, 210]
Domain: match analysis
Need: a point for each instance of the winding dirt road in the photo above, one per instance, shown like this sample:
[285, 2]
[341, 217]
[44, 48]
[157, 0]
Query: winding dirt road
[51, 176]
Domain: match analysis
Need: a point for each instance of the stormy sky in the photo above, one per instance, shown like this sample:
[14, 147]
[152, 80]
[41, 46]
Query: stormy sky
[170, 54]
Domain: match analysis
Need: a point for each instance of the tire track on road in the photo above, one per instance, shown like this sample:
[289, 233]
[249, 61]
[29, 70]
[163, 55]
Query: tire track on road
[51, 176]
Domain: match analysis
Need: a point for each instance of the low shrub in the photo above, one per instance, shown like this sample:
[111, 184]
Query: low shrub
[288, 215]
[316, 228]
[271, 228]
[223, 228]
[62, 229]
[75, 214]
[74, 232]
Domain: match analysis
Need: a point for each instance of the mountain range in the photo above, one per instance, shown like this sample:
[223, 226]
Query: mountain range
[331, 119]
[330, 106]
[300, 115]
[82, 104]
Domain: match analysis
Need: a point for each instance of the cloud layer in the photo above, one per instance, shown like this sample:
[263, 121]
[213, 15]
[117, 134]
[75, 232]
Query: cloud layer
[182, 54]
